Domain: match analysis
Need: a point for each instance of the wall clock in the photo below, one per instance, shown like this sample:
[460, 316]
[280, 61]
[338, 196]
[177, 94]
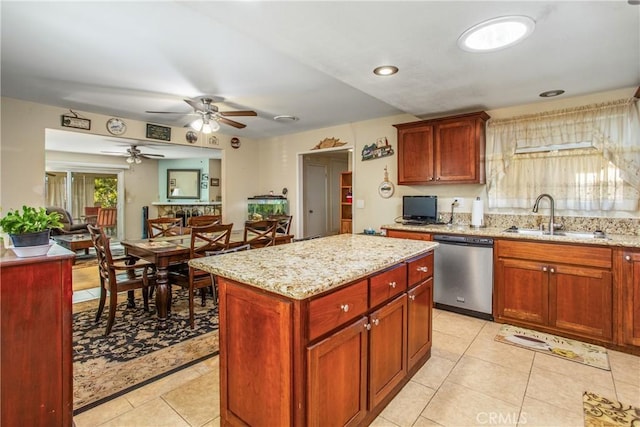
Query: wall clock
[386, 188]
[116, 126]
[192, 137]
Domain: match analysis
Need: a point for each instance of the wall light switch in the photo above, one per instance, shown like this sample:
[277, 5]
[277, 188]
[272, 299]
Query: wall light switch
[360, 204]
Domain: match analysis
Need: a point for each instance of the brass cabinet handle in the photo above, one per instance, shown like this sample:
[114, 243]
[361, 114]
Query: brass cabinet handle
[627, 257]
[545, 268]
[412, 297]
[375, 322]
[344, 307]
[423, 269]
[392, 284]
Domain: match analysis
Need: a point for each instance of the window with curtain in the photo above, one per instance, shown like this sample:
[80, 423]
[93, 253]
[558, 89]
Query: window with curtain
[587, 158]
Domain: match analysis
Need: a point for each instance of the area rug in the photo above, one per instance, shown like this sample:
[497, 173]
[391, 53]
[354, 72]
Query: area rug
[602, 412]
[135, 353]
[588, 354]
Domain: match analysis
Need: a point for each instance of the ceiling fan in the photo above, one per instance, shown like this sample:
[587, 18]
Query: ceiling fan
[134, 155]
[209, 116]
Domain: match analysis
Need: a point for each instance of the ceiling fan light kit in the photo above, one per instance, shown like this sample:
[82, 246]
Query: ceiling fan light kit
[134, 155]
[210, 117]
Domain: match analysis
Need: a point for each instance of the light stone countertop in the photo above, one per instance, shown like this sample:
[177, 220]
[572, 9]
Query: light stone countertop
[303, 269]
[616, 240]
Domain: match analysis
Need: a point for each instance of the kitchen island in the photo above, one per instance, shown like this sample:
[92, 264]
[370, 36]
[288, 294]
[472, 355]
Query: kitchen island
[321, 332]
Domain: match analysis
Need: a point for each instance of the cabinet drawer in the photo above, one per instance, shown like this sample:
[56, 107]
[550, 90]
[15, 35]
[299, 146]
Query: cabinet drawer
[387, 284]
[420, 268]
[412, 235]
[586, 255]
[332, 310]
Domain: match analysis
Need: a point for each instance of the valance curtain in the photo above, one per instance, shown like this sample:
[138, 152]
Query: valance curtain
[605, 177]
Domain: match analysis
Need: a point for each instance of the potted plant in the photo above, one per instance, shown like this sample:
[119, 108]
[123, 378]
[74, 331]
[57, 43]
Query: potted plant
[29, 227]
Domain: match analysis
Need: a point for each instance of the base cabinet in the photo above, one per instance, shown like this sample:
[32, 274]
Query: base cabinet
[419, 312]
[337, 377]
[559, 288]
[629, 279]
[333, 359]
[36, 378]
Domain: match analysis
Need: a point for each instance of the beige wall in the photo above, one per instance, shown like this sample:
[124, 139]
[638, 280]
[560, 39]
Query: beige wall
[279, 162]
[22, 162]
[257, 167]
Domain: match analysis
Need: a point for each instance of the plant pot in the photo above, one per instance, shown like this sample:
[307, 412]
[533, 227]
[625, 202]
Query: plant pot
[39, 238]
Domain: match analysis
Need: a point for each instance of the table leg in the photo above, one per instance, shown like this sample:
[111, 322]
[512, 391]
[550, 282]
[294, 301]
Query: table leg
[161, 296]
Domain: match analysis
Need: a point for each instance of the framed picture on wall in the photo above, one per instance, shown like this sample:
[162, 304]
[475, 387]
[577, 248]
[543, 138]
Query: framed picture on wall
[215, 182]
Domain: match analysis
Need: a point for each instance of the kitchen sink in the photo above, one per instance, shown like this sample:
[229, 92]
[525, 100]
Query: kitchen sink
[571, 234]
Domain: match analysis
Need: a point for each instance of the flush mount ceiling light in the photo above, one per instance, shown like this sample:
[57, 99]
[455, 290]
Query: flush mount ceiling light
[496, 33]
[385, 70]
[551, 93]
[286, 118]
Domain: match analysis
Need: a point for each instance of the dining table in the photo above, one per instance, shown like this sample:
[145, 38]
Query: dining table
[169, 251]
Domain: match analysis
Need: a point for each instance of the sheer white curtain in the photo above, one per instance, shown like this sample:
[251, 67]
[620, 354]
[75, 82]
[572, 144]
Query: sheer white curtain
[57, 190]
[602, 178]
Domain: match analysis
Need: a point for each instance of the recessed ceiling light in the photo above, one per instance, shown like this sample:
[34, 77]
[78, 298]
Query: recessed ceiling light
[286, 118]
[496, 33]
[385, 70]
[551, 93]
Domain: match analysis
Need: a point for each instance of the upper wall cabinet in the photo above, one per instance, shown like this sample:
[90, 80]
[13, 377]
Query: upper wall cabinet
[448, 150]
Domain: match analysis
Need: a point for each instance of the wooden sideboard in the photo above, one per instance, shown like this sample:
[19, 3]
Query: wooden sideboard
[36, 376]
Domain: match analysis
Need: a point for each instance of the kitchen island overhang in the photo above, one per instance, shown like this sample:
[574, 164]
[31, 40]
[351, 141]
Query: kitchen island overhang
[321, 332]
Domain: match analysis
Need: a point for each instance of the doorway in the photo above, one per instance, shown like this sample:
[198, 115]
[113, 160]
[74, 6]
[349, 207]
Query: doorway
[321, 191]
[75, 191]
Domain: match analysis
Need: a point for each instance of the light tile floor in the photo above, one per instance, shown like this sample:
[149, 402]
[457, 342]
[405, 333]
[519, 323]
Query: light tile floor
[470, 380]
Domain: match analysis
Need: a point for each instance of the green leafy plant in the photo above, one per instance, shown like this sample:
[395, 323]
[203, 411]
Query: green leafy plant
[29, 220]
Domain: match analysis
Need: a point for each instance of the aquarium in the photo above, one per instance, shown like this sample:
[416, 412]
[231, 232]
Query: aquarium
[260, 207]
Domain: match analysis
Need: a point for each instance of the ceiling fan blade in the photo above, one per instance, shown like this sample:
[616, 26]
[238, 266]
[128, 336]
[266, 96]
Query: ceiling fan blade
[167, 112]
[198, 106]
[238, 113]
[150, 155]
[115, 153]
[231, 123]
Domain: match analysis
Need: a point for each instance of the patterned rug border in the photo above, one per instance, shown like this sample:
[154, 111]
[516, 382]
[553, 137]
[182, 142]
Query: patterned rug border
[134, 387]
[602, 412]
[109, 375]
[563, 348]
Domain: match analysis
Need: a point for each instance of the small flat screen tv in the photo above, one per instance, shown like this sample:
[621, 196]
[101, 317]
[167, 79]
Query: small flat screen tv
[420, 209]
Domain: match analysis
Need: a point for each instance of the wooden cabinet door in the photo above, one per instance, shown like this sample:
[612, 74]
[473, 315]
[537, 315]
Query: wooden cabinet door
[388, 349]
[456, 153]
[420, 302]
[581, 300]
[522, 289]
[256, 357]
[337, 377]
[415, 155]
[35, 343]
[631, 298]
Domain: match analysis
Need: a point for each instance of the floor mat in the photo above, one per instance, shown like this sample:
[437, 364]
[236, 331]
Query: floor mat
[135, 353]
[588, 354]
[602, 412]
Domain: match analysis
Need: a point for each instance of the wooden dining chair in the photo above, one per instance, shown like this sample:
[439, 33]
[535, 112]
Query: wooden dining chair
[107, 219]
[244, 247]
[199, 221]
[164, 227]
[123, 274]
[259, 234]
[205, 240]
[284, 223]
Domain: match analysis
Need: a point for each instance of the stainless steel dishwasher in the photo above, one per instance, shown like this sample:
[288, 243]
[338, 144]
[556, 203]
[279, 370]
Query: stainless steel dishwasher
[463, 275]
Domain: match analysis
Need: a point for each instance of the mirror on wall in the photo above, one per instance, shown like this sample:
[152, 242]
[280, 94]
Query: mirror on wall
[183, 184]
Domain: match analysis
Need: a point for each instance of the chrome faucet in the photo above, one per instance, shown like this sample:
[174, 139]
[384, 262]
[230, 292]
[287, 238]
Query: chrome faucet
[552, 216]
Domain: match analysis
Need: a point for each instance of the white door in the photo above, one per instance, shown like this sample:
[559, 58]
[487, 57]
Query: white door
[315, 200]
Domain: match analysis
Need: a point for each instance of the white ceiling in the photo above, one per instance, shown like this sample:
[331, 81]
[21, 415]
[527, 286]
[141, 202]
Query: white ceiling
[310, 59]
